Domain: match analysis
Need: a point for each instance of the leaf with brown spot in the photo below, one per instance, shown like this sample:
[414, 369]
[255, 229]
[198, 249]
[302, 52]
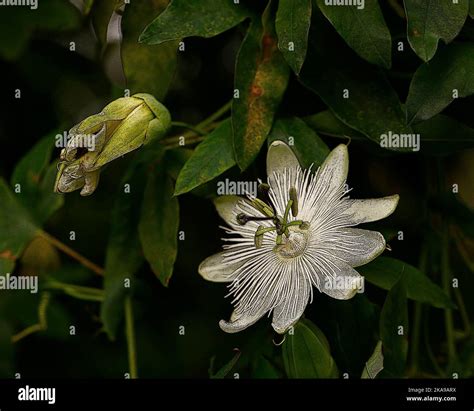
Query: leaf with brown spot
[7, 255]
[158, 227]
[429, 21]
[261, 78]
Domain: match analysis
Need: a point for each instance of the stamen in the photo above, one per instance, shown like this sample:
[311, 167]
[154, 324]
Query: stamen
[294, 199]
[243, 219]
[263, 189]
[259, 236]
[263, 207]
[287, 211]
[262, 230]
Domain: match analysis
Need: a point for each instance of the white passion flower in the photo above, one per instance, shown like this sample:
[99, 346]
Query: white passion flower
[299, 236]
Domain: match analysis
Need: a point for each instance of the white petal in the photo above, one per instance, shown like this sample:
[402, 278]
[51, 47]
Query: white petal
[289, 311]
[358, 247]
[215, 269]
[279, 157]
[239, 322]
[335, 167]
[364, 211]
[225, 206]
[344, 285]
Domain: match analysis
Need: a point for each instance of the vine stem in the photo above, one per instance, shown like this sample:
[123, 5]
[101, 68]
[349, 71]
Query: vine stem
[71, 253]
[130, 334]
[173, 142]
[42, 320]
[182, 124]
[202, 128]
[464, 315]
[217, 114]
[26, 332]
[446, 278]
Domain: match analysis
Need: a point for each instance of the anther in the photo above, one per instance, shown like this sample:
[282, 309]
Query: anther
[242, 218]
[262, 192]
[259, 237]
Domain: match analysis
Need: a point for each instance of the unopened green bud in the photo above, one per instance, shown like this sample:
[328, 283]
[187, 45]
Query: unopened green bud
[121, 127]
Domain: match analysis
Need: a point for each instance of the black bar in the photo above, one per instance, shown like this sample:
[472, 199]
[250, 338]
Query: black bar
[440, 394]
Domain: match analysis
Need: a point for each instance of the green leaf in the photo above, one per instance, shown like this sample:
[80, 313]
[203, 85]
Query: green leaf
[124, 256]
[30, 168]
[432, 20]
[306, 353]
[227, 368]
[385, 272]
[261, 77]
[394, 330]
[325, 122]
[158, 226]
[7, 263]
[333, 72]
[264, 369]
[307, 145]
[451, 70]
[471, 8]
[364, 30]
[441, 134]
[444, 135]
[148, 69]
[374, 364]
[210, 159]
[175, 159]
[55, 15]
[35, 177]
[357, 316]
[292, 27]
[48, 201]
[203, 18]
[17, 228]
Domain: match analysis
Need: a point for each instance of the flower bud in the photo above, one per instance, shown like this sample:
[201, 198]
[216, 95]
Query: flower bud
[122, 126]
